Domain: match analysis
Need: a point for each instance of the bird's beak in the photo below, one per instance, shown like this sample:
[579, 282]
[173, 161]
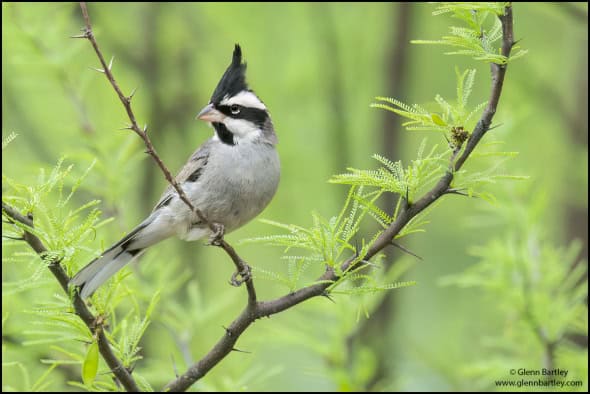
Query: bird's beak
[210, 114]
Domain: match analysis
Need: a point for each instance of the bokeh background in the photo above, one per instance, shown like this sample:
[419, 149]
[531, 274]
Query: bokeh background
[318, 67]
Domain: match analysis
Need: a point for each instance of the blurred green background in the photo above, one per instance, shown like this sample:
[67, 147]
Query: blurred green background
[317, 67]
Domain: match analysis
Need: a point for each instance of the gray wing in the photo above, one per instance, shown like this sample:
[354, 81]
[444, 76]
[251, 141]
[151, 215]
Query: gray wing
[190, 172]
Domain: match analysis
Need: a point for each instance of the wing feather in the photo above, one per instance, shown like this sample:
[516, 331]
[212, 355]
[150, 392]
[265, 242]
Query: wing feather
[190, 172]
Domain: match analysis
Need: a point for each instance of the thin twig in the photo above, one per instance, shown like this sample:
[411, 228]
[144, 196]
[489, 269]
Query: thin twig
[267, 308]
[126, 100]
[116, 366]
[142, 133]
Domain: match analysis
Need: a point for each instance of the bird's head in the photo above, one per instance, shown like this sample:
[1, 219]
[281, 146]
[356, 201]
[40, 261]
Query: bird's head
[234, 110]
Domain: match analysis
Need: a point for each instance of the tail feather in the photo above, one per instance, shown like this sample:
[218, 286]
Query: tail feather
[99, 270]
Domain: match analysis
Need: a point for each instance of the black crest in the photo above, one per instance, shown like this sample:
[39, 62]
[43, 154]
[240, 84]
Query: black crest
[233, 80]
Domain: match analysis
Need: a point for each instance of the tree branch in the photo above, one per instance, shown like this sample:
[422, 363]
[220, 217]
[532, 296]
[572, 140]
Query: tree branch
[266, 308]
[116, 366]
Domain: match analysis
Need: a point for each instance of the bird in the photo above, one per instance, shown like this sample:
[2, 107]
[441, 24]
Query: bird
[229, 179]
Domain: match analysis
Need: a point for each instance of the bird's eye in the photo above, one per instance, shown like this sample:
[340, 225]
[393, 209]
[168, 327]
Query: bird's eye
[235, 109]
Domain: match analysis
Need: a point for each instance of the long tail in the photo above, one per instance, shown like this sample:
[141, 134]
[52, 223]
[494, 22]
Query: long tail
[99, 270]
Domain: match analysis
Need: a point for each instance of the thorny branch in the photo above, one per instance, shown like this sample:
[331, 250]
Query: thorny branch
[116, 366]
[126, 100]
[241, 267]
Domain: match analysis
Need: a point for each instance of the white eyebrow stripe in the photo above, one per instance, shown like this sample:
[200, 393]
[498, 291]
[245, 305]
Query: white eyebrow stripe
[245, 99]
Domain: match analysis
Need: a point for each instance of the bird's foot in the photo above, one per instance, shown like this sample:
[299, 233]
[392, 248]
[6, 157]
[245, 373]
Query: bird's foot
[218, 231]
[244, 276]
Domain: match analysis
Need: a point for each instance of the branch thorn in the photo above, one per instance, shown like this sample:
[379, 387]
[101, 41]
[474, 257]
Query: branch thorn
[494, 127]
[240, 351]
[227, 331]
[458, 192]
[328, 296]
[406, 250]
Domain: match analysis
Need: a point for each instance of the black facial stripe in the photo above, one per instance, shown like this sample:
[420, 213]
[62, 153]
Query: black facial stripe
[255, 115]
[223, 133]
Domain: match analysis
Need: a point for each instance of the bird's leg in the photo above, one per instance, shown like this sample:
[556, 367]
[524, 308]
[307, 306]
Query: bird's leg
[245, 275]
[244, 272]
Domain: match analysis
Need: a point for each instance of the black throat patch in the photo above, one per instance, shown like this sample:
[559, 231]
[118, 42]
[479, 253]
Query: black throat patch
[224, 134]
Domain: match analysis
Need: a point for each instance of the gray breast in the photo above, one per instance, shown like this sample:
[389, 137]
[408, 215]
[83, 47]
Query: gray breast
[238, 183]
